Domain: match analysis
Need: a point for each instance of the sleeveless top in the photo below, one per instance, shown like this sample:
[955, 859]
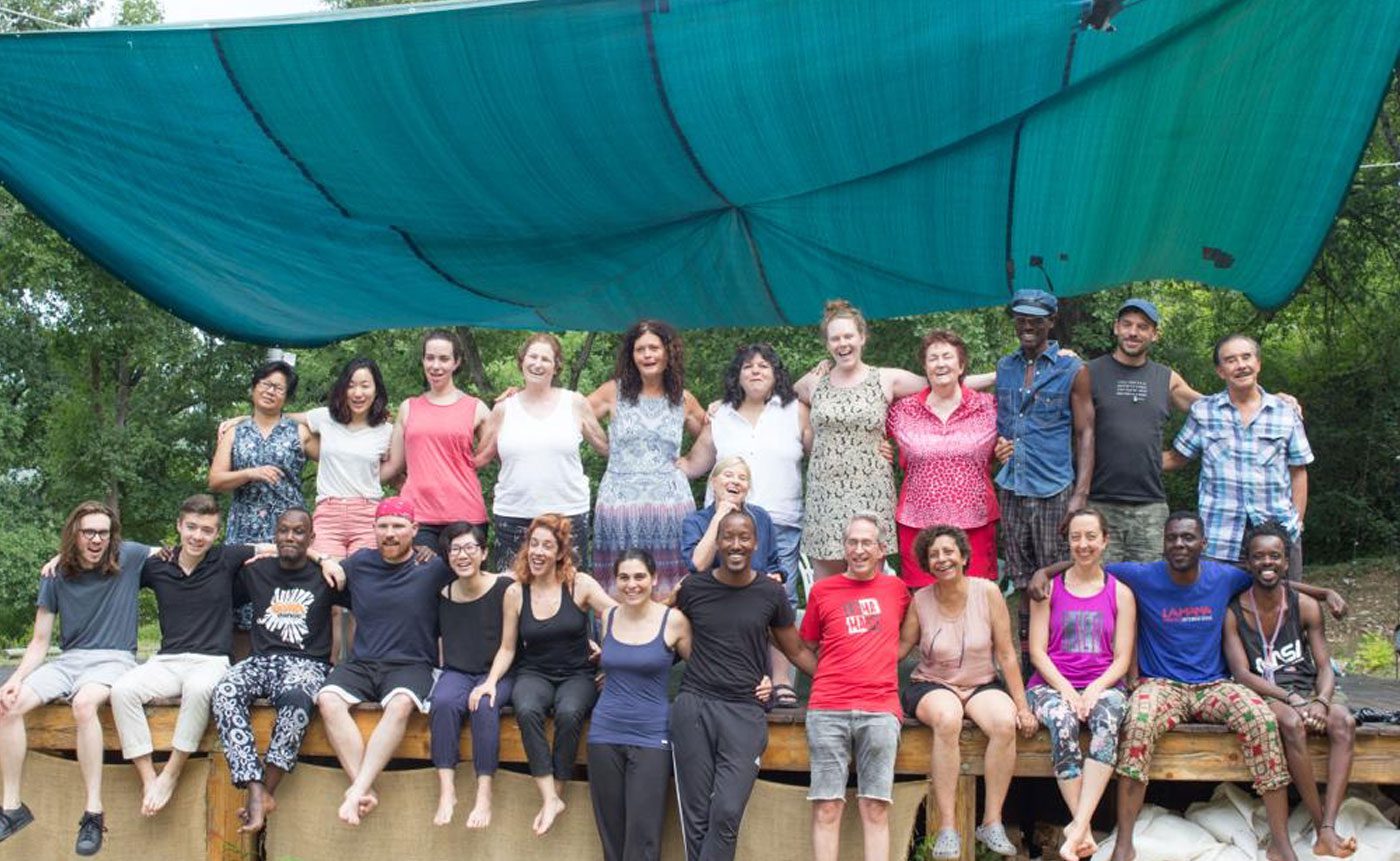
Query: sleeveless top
[471, 630]
[442, 481]
[554, 648]
[253, 513]
[1080, 643]
[956, 652]
[1294, 669]
[773, 450]
[540, 466]
[1131, 405]
[645, 440]
[633, 708]
[846, 474]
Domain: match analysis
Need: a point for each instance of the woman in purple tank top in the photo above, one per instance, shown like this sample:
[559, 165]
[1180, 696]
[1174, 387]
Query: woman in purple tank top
[1081, 642]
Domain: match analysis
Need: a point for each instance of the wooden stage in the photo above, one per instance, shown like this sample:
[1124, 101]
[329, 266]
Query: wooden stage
[1190, 752]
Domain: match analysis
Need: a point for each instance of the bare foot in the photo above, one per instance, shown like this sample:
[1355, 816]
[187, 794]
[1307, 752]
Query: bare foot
[350, 809]
[1123, 852]
[444, 809]
[1331, 843]
[368, 802]
[1087, 846]
[254, 816]
[157, 795]
[548, 812]
[480, 817]
[1279, 853]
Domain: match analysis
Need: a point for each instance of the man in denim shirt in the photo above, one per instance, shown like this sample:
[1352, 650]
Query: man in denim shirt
[1045, 409]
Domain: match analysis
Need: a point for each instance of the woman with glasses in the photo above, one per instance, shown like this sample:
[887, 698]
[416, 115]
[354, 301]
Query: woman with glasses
[260, 462]
[469, 617]
[963, 632]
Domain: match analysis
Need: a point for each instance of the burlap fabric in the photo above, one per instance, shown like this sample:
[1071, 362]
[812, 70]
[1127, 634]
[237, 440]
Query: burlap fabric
[777, 823]
[53, 789]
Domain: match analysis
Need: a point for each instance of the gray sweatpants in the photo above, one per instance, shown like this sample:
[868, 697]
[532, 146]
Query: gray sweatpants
[716, 746]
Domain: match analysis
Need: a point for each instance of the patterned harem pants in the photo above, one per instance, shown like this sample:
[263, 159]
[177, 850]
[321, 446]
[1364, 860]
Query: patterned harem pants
[1160, 704]
[290, 682]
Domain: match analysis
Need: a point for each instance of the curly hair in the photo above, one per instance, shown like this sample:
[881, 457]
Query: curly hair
[782, 380]
[562, 529]
[378, 408]
[629, 379]
[70, 547]
[929, 534]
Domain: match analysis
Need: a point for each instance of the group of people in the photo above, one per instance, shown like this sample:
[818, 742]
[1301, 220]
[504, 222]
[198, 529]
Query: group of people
[624, 587]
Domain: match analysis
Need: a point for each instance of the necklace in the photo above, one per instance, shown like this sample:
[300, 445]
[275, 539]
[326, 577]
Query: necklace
[1268, 664]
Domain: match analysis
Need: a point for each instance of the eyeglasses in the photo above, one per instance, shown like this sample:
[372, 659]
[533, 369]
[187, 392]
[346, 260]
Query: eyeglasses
[462, 549]
[275, 388]
[95, 534]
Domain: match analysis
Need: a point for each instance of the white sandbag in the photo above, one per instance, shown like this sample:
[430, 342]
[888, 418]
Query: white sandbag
[1229, 817]
[1160, 835]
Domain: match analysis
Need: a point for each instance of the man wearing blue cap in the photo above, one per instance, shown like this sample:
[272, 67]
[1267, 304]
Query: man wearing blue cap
[1045, 409]
[1133, 397]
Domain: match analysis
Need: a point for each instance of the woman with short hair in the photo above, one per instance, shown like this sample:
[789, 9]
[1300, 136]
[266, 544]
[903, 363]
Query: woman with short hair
[536, 433]
[963, 631]
[470, 612]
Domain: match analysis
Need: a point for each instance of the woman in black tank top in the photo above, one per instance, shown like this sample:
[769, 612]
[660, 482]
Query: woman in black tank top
[545, 622]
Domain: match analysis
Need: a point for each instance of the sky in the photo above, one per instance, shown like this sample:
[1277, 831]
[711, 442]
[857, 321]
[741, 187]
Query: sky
[179, 11]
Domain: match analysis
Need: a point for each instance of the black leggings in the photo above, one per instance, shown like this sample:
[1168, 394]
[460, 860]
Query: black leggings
[628, 785]
[571, 700]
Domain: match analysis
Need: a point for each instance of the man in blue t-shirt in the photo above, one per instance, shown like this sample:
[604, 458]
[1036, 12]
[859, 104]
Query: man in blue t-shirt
[394, 597]
[1181, 612]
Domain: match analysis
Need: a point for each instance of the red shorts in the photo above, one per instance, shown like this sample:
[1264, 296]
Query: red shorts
[981, 539]
[343, 526]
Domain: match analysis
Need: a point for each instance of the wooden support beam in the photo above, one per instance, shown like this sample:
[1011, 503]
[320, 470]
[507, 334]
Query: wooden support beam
[224, 842]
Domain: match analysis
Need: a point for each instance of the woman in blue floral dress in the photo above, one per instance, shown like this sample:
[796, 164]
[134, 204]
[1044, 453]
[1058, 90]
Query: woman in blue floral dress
[644, 496]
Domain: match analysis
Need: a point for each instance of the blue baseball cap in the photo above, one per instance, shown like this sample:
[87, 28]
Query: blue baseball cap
[1034, 303]
[1142, 306]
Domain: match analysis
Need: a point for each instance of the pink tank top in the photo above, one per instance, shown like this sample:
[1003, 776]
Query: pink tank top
[1080, 642]
[442, 482]
[956, 652]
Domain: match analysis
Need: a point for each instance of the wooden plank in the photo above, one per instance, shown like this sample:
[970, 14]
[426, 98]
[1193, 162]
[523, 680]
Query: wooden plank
[965, 814]
[1189, 752]
[224, 842]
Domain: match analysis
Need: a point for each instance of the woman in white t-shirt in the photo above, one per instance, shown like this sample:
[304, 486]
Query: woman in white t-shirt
[536, 433]
[349, 438]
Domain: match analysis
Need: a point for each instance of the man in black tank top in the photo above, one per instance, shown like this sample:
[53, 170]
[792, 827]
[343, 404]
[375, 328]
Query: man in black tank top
[1276, 646]
[1133, 398]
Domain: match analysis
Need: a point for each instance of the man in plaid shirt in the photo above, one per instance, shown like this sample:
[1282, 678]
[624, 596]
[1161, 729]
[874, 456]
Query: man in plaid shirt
[1254, 456]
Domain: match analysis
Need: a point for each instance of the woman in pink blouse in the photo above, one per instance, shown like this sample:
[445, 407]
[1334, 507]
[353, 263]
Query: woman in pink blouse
[946, 434]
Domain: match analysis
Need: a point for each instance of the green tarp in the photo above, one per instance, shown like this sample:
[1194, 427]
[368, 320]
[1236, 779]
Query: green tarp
[713, 162]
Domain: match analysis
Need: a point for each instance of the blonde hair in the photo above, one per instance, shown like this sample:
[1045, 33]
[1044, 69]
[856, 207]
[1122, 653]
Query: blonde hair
[726, 462]
[837, 309]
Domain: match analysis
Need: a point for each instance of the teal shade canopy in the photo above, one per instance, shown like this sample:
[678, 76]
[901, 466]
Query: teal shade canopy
[550, 164]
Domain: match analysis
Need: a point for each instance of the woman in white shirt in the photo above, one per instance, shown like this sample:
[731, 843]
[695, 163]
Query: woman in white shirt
[761, 420]
[536, 433]
[349, 439]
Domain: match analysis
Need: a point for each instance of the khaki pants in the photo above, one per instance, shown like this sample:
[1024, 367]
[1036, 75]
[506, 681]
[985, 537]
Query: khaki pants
[190, 677]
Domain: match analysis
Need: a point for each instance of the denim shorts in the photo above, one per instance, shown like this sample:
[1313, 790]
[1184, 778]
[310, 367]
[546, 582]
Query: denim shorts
[833, 735]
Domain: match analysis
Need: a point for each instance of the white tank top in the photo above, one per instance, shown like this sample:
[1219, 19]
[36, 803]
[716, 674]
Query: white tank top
[541, 472]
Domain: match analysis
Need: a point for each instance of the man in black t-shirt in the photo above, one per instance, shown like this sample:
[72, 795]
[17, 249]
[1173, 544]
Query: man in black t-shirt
[394, 597]
[291, 642]
[718, 727]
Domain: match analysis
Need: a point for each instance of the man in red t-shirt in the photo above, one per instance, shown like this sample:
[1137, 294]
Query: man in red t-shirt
[853, 621]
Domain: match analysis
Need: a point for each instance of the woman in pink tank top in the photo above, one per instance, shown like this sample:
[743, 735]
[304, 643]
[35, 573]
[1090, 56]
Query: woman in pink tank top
[1081, 642]
[435, 436]
[963, 632]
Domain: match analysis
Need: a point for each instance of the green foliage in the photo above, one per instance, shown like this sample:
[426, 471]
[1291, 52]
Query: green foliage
[30, 539]
[1375, 654]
